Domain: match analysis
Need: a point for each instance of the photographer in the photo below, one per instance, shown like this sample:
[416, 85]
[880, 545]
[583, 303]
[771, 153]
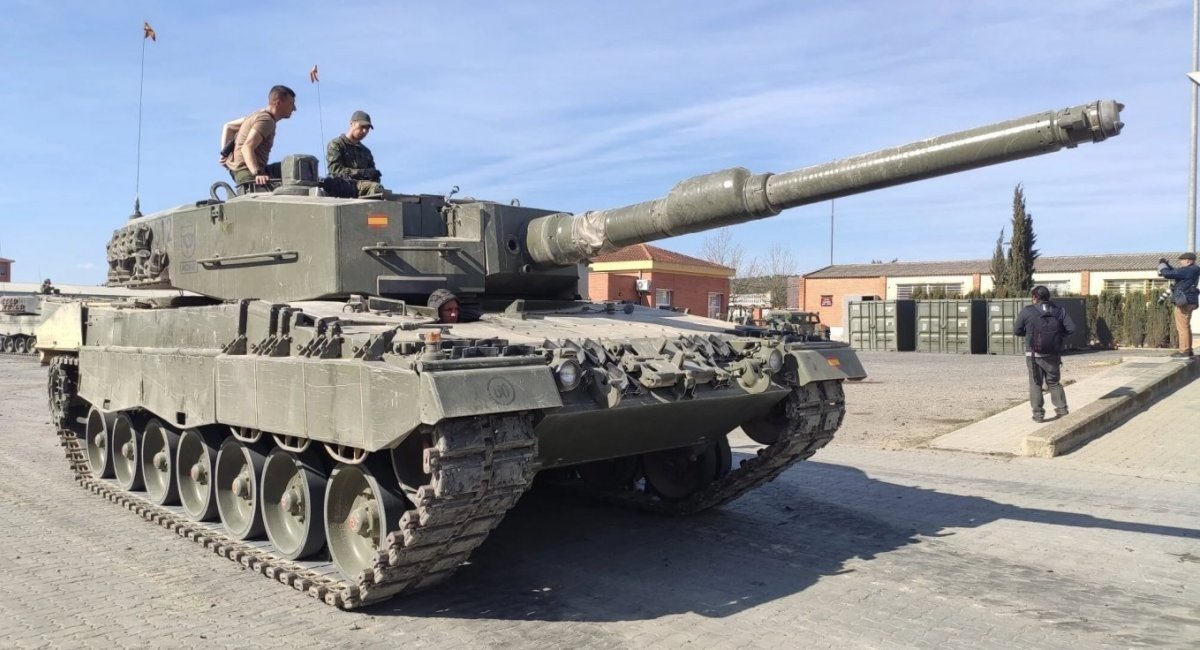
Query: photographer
[1184, 295]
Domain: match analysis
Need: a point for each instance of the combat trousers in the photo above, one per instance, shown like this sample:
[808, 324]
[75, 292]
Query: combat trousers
[1045, 369]
[1183, 325]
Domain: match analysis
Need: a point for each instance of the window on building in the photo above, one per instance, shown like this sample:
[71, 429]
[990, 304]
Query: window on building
[1056, 287]
[1149, 285]
[947, 289]
[662, 298]
[714, 304]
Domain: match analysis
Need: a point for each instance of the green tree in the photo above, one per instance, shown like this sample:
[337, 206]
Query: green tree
[999, 265]
[1021, 252]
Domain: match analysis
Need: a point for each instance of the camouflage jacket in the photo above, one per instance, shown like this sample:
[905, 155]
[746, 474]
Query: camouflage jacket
[350, 159]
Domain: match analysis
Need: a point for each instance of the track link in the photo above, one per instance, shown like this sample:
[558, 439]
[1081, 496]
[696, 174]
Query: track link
[479, 466]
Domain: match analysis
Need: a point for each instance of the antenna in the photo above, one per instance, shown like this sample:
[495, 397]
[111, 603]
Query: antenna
[147, 33]
[313, 77]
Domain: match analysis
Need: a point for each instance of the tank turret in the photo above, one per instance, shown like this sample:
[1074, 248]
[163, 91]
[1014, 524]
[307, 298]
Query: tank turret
[297, 244]
[738, 195]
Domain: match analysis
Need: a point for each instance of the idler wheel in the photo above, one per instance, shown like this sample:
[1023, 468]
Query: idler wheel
[99, 442]
[239, 465]
[160, 445]
[676, 474]
[195, 462]
[363, 504]
[293, 496]
[126, 452]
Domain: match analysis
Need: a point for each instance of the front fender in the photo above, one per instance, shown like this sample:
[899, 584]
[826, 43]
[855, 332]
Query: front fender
[483, 391]
[809, 366]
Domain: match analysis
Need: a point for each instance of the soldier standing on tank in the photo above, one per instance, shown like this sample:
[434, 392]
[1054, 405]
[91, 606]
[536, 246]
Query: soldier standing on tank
[350, 161]
[246, 142]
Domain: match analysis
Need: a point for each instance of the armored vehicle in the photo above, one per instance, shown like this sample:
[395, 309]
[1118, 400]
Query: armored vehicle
[803, 330]
[316, 420]
[19, 316]
[23, 308]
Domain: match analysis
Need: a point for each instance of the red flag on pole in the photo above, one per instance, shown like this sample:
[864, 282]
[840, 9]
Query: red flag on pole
[312, 75]
[148, 32]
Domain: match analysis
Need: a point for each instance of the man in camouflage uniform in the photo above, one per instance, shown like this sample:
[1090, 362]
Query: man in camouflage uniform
[351, 162]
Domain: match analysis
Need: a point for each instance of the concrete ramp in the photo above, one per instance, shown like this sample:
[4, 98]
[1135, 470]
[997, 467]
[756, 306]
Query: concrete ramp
[1097, 405]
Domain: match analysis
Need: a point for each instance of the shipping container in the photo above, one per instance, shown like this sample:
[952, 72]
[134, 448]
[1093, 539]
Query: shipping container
[952, 326]
[1001, 313]
[888, 325]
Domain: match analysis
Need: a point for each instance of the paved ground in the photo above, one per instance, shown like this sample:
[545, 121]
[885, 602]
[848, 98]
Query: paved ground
[863, 547]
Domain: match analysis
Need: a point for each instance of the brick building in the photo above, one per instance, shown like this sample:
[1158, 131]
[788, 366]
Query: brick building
[5, 269]
[657, 277]
[826, 290]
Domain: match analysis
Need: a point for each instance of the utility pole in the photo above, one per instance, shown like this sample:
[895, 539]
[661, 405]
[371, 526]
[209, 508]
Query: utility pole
[1195, 77]
[831, 224]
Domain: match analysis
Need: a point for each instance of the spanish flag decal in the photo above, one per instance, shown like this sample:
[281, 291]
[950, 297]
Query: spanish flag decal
[377, 221]
[835, 362]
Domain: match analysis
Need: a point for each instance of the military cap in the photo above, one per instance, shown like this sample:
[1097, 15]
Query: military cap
[1187, 256]
[362, 118]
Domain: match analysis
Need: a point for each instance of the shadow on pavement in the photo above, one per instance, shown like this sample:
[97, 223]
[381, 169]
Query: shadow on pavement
[555, 558]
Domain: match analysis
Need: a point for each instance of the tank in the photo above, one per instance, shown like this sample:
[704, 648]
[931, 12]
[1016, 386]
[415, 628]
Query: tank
[19, 317]
[803, 330]
[316, 418]
[24, 307]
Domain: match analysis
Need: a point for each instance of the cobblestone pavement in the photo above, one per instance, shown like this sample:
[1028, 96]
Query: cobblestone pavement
[861, 547]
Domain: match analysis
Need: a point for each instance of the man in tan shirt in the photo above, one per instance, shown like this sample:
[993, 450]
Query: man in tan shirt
[246, 142]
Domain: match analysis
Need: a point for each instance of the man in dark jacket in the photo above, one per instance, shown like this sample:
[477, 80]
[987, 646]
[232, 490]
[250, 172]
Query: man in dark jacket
[1184, 295]
[1043, 360]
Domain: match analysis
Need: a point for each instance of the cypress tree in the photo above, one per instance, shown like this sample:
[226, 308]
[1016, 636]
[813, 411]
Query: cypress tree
[999, 267]
[1021, 253]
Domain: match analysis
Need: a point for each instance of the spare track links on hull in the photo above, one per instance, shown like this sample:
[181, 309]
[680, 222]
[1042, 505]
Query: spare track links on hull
[813, 413]
[481, 467]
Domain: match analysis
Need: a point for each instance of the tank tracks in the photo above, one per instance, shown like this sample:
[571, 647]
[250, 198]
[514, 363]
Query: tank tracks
[480, 467]
[813, 413]
[18, 345]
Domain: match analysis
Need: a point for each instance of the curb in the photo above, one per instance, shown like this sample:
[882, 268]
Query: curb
[1101, 416]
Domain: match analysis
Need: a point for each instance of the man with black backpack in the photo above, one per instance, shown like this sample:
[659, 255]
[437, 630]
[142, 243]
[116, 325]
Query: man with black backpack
[1044, 324]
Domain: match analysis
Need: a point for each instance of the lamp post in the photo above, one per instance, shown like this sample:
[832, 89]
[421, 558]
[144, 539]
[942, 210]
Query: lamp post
[831, 224]
[1195, 77]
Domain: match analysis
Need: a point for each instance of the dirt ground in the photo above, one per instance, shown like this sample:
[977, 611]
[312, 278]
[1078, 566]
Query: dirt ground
[909, 398]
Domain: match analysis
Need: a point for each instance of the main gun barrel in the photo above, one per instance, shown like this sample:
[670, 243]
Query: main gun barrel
[737, 195]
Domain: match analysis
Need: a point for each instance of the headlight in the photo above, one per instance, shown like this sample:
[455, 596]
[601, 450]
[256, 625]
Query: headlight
[775, 362]
[568, 373]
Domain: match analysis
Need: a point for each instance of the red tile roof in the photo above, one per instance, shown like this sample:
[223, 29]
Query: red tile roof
[648, 253]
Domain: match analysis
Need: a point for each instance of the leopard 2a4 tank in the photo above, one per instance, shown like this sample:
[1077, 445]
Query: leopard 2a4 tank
[314, 421]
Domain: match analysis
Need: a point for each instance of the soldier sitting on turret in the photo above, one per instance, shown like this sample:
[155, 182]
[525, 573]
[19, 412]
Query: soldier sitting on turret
[48, 287]
[352, 171]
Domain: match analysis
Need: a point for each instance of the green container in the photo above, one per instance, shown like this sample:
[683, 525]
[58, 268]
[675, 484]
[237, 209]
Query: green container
[1001, 313]
[887, 325]
[951, 326]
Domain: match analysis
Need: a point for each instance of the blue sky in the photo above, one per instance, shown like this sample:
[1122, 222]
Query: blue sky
[576, 106]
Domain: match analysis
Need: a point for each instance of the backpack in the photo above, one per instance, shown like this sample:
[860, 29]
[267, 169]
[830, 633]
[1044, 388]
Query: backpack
[1045, 337]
